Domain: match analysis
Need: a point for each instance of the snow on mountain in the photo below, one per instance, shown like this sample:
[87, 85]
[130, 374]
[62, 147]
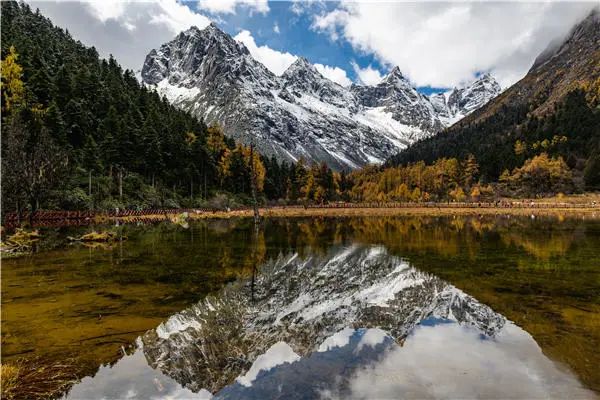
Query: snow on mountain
[463, 101]
[300, 113]
[308, 304]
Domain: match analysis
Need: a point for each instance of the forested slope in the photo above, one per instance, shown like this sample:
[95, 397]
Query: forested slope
[80, 132]
[554, 109]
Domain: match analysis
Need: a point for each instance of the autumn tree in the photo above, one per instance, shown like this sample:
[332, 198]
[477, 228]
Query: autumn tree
[470, 170]
[541, 175]
[13, 90]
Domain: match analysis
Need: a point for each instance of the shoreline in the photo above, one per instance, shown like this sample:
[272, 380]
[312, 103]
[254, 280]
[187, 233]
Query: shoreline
[296, 212]
[520, 208]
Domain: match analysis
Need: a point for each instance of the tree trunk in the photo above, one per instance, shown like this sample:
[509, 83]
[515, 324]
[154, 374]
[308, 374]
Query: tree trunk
[19, 212]
[33, 204]
[90, 190]
[121, 184]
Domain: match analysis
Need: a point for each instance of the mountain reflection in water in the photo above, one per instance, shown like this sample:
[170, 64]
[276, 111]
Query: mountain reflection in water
[356, 322]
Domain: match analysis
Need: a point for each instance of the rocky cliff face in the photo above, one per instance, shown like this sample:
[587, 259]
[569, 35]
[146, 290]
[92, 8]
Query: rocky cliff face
[301, 113]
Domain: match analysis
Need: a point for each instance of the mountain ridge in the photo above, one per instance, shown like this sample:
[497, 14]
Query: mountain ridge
[300, 114]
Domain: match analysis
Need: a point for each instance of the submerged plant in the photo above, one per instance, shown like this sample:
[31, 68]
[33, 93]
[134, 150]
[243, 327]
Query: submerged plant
[36, 379]
[104, 236]
[20, 242]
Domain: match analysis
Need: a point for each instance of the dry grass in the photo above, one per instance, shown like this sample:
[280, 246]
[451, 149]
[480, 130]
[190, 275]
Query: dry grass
[9, 380]
[19, 243]
[96, 237]
[35, 379]
[562, 211]
[23, 239]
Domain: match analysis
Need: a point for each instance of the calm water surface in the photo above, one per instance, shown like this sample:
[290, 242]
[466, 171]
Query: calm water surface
[492, 307]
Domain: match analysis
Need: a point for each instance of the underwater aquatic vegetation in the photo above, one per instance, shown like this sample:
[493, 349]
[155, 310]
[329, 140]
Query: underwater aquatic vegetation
[36, 379]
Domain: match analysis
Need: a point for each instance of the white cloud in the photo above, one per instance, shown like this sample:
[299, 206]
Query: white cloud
[229, 6]
[126, 29]
[446, 44]
[105, 10]
[274, 60]
[368, 75]
[335, 74]
[129, 26]
[178, 17]
[276, 28]
[300, 7]
[277, 61]
[170, 13]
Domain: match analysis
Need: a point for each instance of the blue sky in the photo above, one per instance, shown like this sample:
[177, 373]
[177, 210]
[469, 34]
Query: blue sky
[296, 37]
[436, 45]
[284, 30]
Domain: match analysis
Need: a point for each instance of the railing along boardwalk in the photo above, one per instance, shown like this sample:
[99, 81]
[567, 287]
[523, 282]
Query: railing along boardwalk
[75, 218]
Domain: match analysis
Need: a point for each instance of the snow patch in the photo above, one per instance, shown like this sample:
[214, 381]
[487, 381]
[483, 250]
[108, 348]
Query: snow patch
[338, 339]
[371, 337]
[279, 353]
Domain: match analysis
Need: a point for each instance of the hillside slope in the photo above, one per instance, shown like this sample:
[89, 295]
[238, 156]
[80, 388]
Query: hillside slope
[558, 98]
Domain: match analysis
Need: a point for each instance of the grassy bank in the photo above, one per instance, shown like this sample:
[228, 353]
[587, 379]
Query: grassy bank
[587, 205]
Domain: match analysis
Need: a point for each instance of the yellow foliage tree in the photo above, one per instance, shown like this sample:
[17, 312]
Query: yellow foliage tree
[520, 147]
[224, 167]
[13, 90]
[190, 138]
[542, 175]
[416, 195]
[457, 194]
[215, 140]
[475, 193]
[256, 163]
[307, 189]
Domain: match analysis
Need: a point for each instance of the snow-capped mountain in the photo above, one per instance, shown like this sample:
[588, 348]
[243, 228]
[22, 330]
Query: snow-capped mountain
[355, 322]
[301, 113]
[303, 302]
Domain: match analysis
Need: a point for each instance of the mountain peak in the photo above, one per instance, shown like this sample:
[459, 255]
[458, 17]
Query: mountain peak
[486, 79]
[214, 28]
[302, 63]
[301, 67]
[396, 72]
[584, 34]
[394, 77]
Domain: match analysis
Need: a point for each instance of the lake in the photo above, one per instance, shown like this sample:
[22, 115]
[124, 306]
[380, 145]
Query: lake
[372, 307]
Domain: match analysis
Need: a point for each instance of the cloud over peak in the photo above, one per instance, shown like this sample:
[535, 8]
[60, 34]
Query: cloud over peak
[447, 44]
[278, 61]
[230, 6]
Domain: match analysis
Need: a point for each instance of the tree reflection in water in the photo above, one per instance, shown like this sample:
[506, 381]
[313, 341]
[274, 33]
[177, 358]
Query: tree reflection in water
[356, 322]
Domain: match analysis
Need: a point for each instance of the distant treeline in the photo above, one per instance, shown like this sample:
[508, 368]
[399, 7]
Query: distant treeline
[79, 132]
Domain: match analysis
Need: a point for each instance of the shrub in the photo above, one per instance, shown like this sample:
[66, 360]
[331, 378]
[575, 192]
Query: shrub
[541, 175]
